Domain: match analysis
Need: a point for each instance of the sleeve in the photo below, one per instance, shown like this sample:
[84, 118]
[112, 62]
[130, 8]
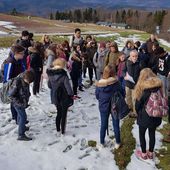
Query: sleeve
[68, 86]
[50, 61]
[106, 59]
[97, 93]
[8, 69]
[94, 60]
[13, 89]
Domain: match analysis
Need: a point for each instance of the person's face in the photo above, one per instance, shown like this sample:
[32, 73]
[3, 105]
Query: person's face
[129, 45]
[78, 48]
[88, 40]
[19, 55]
[152, 37]
[25, 37]
[112, 49]
[108, 45]
[46, 39]
[78, 34]
[101, 49]
[133, 57]
[122, 57]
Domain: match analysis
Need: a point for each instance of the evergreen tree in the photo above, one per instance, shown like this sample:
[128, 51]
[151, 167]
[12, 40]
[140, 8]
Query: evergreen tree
[14, 12]
[51, 16]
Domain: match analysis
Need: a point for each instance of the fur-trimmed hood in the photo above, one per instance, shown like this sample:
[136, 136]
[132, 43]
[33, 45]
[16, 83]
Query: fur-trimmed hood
[49, 52]
[151, 83]
[106, 82]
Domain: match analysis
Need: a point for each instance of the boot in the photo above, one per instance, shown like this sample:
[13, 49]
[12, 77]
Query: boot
[24, 138]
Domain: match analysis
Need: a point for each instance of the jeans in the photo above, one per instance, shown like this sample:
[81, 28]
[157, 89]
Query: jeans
[22, 117]
[164, 80]
[104, 127]
[151, 131]
[116, 127]
[14, 112]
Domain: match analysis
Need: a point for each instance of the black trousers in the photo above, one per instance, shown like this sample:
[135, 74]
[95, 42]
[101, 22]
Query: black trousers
[75, 84]
[36, 83]
[61, 118]
[151, 131]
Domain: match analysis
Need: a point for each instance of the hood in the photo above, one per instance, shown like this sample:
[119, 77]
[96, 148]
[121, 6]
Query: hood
[151, 83]
[49, 52]
[56, 71]
[106, 82]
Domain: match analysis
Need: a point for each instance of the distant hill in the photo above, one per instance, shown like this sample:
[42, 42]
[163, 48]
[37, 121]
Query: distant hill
[43, 7]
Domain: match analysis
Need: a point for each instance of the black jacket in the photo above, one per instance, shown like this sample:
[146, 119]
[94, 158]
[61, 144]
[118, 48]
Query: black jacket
[36, 62]
[143, 118]
[61, 90]
[20, 93]
[133, 69]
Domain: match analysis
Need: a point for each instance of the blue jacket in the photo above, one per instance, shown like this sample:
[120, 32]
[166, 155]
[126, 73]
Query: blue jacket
[104, 91]
[12, 68]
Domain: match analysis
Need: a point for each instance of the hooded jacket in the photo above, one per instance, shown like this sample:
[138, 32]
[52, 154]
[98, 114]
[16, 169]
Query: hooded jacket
[59, 84]
[104, 91]
[151, 85]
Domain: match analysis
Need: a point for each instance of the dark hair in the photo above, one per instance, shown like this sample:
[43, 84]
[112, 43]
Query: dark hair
[77, 30]
[138, 43]
[17, 49]
[25, 33]
[29, 75]
[75, 47]
[39, 48]
[88, 36]
[31, 35]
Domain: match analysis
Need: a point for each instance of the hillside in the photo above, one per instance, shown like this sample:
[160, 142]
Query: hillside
[43, 7]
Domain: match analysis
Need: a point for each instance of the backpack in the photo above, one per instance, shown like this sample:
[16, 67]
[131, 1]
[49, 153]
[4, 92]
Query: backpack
[4, 96]
[119, 108]
[157, 105]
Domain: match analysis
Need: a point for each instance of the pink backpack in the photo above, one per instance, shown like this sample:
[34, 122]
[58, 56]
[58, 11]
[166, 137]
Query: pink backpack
[157, 105]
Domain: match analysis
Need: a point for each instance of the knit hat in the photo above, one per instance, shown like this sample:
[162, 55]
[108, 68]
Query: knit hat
[102, 45]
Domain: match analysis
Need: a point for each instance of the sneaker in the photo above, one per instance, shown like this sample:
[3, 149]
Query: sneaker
[100, 146]
[58, 134]
[150, 155]
[141, 155]
[24, 138]
[78, 97]
[81, 88]
[26, 122]
[117, 145]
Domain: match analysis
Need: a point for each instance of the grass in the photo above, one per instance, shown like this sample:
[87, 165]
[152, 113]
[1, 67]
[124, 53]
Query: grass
[110, 38]
[6, 42]
[165, 47]
[164, 154]
[123, 154]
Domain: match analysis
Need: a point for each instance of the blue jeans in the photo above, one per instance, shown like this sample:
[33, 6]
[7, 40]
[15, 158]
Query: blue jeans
[164, 80]
[104, 127]
[22, 117]
[14, 113]
[80, 79]
[116, 127]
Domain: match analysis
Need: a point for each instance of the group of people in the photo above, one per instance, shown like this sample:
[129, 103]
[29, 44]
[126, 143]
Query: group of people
[136, 72]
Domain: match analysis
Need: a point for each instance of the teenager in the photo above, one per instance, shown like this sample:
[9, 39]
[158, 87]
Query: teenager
[19, 93]
[61, 92]
[148, 83]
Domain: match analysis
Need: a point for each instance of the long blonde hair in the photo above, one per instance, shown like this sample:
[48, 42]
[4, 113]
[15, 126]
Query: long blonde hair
[145, 74]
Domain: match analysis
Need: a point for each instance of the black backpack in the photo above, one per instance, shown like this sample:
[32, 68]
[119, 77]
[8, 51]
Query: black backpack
[119, 108]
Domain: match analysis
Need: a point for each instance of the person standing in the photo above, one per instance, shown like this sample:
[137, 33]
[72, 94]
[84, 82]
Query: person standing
[148, 83]
[12, 67]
